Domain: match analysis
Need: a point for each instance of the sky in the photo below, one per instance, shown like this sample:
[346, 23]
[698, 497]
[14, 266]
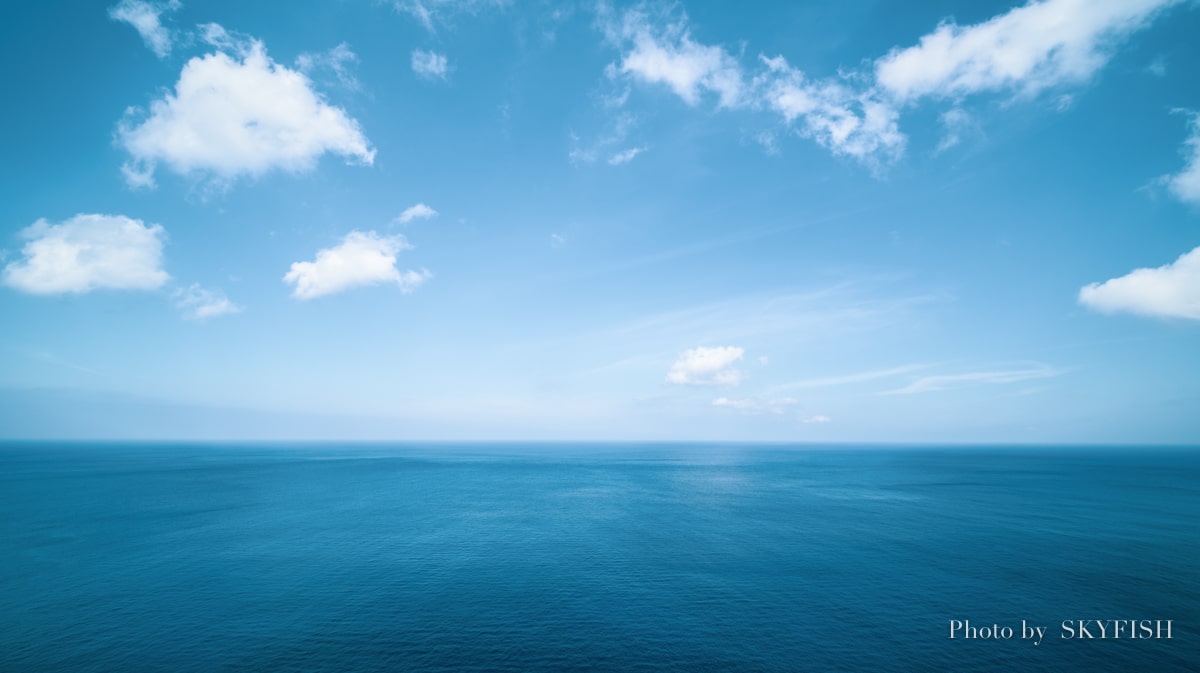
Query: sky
[851, 221]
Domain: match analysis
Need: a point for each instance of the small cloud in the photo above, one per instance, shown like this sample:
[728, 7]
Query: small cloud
[1185, 185]
[362, 258]
[200, 304]
[817, 419]
[956, 123]
[1158, 67]
[707, 366]
[429, 64]
[762, 360]
[338, 60]
[557, 241]
[88, 252]
[769, 142]
[146, 18]
[1168, 291]
[417, 212]
[663, 52]
[753, 405]
[625, 156]
[607, 143]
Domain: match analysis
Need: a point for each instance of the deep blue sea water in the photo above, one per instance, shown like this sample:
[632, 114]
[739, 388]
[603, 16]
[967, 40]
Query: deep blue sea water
[558, 557]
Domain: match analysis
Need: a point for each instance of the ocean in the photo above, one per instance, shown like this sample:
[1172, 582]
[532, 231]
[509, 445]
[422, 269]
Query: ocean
[600, 557]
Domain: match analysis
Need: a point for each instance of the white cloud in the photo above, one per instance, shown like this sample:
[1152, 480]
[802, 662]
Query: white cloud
[668, 55]
[88, 252]
[704, 366]
[622, 124]
[198, 303]
[753, 405]
[338, 60]
[848, 378]
[1171, 291]
[230, 117]
[145, 17]
[419, 211]
[928, 384]
[362, 258]
[1185, 185]
[1027, 49]
[430, 13]
[955, 124]
[557, 241]
[625, 156]
[745, 404]
[429, 64]
[817, 419]
[832, 113]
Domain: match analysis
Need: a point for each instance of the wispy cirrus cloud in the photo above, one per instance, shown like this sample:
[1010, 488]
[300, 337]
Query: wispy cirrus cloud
[434, 13]
[1042, 45]
[340, 61]
[847, 379]
[429, 64]
[419, 211]
[1185, 185]
[754, 405]
[625, 156]
[197, 303]
[834, 113]
[146, 18]
[928, 384]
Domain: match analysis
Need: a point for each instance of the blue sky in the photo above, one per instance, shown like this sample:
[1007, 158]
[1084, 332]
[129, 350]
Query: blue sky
[478, 219]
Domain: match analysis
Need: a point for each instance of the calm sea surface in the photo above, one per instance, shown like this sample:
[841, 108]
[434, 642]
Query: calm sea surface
[625, 557]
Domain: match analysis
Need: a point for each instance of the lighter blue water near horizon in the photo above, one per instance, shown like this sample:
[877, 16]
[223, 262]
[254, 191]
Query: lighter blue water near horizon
[610, 557]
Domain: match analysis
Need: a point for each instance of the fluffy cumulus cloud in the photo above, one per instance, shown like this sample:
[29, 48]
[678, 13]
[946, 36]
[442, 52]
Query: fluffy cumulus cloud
[146, 18]
[841, 119]
[417, 212]
[197, 303]
[1169, 291]
[237, 115]
[658, 52]
[707, 366]
[1028, 49]
[88, 252]
[1185, 184]
[362, 258]
[429, 64]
